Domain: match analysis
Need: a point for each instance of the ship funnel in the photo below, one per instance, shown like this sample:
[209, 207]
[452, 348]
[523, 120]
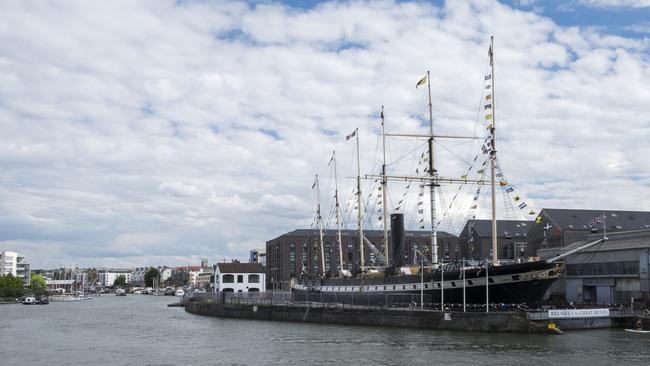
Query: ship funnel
[397, 239]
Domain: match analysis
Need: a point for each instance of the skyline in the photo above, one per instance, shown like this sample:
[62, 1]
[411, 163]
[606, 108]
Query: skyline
[147, 133]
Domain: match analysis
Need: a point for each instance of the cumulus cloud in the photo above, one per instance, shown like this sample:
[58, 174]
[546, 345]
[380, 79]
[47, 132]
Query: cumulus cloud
[160, 132]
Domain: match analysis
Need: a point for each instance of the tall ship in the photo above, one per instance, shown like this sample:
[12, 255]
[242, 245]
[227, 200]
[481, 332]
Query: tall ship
[430, 279]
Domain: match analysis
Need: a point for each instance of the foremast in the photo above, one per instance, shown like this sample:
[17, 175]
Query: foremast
[493, 157]
[384, 190]
[433, 174]
[338, 216]
[319, 217]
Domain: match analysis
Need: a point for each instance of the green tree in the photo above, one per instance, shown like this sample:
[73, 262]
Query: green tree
[151, 276]
[120, 281]
[11, 287]
[38, 284]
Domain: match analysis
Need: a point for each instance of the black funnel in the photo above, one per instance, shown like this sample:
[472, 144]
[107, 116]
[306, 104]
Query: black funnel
[397, 239]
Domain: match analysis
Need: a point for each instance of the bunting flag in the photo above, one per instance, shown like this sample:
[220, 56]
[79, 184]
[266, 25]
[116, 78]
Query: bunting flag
[422, 219]
[538, 219]
[473, 207]
[331, 159]
[313, 185]
[354, 133]
[379, 218]
[503, 183]
[499, 174]
[488, 106]
[397, 208]
[488, 116]
[480, 171]
[488, 87]
[488, 97]
[489, 127]
[421, 82]
[422, 227]
[517, 198]
[463, 177]
[420, 203]
[522, 205]
[420, 211]
[421, 194]
[476, 157]
[488, 77]
[509, 190]
[531, 212]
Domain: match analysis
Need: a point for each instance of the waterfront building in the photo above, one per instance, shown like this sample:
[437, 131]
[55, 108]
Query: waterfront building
[185, 275]
[107, 277]
[475, 240]
[615, 271]
[239, 277]
[298, 251]
[204, 278]
[556, 228]
[15, 265]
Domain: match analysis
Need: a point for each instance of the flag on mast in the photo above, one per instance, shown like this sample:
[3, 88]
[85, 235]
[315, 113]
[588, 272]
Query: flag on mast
[354, 133]
[421, 82]
[490, 54]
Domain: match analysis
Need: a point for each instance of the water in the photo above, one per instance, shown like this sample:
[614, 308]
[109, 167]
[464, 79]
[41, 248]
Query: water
[142, 330]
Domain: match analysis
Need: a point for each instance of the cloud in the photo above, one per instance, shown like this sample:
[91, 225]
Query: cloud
[616, 3]
[160, 132]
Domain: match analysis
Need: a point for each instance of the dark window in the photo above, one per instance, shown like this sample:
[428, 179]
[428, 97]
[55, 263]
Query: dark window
[414, 287]
[491, 280]
[240, 279]
[515, 278]
[228, 278]
[254, 278]
[253, 289]
[453, 284]
[469, 282]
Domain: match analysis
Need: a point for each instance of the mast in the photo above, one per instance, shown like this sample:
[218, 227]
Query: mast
[493, 160]
[359, 214]
[384, 193]
[320, 227]
[432, 186]
[338, 218]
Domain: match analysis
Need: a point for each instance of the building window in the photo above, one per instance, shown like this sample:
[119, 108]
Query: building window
[228, 278]
[254, 278]
[240, 279]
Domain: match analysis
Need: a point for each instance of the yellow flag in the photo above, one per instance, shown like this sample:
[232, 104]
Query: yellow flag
[421, 82]
[538, 219]
[503, 183]
[488, 116]
[463, 176]
[489, 127]
[488, 97]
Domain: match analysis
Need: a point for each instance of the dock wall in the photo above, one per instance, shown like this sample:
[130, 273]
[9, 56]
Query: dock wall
[470, 321]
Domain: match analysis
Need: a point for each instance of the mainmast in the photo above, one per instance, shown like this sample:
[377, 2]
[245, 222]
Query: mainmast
[359, 203]
[384, 192]
[320, 226]
[432, 186]
[493, 159]
[338, 217]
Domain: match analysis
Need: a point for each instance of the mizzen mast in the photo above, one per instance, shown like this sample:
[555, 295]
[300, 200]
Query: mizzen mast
[384, 192]
[493, 158]
[432, 186]
[338, 209]
[320, 227]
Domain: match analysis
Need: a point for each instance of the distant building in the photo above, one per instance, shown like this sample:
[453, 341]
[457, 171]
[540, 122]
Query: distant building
[612, 272]
[185, 275]
[239, 277]
[298, 252]
[107, 277]
[15, 265]
[258, 255]
[204, 278]
[556, 228]
[475, 240]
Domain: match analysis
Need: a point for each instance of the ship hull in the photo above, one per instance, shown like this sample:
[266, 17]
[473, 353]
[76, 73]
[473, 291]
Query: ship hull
[511, 284]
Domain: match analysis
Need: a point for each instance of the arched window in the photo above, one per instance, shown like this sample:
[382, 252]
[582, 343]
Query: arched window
[228, 290]
[253, 289]
[228, 278]
[254, 278]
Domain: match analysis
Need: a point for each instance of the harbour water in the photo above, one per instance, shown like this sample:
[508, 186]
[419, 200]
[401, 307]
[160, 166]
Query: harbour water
[142, 330]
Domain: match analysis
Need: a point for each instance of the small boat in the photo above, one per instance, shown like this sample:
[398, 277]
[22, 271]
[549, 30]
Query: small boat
[44, 300]
[120, 292]
[179, 292]
[29, 300]
[637, 331]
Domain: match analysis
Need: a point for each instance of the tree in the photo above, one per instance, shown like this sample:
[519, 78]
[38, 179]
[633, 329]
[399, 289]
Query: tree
[38, 284]
[11, 286]
[151, 276]
[120, 281]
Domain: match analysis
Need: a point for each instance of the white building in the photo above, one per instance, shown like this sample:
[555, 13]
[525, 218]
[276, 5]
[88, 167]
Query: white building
[107, 277]
[239, 277]
[11, 263]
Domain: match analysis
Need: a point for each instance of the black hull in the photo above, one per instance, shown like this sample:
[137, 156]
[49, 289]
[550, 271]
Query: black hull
[509, 284]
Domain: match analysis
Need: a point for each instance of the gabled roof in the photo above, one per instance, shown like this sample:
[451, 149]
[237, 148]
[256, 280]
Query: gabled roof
[505, 228]
[240, 267]
[572, 219]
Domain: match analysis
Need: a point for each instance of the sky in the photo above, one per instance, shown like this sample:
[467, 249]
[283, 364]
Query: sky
[161, 132]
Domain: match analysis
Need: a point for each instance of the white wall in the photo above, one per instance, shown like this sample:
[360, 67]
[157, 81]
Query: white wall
[244, 286]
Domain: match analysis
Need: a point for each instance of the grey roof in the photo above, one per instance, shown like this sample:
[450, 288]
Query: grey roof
[240, 267]
[368, 233]
[505, 228]
[572, 219]
[636, 239]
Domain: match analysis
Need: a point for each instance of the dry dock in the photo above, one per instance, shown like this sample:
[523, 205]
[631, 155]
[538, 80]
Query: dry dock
[513, 322]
